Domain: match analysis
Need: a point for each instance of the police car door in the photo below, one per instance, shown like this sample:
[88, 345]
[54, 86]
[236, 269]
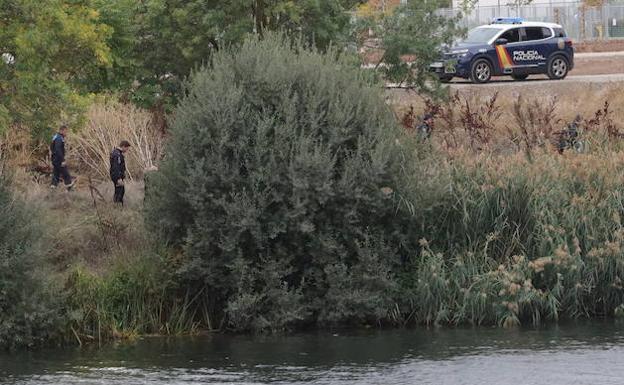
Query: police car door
[531, 53]
[503, 52]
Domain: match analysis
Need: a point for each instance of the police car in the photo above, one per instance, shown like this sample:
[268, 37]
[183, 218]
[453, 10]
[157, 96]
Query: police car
[508, 46]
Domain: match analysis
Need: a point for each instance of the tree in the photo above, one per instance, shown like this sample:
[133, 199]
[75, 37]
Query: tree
[320, 22]
[119, 16]
[411, 39]
[175, 36]
[280, 184]
[49, 48]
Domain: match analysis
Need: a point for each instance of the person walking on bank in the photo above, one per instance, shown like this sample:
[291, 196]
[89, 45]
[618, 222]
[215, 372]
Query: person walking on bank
[118, 170]
[59, 165]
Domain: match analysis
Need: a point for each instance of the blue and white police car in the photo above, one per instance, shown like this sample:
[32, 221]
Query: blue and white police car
[508, 46]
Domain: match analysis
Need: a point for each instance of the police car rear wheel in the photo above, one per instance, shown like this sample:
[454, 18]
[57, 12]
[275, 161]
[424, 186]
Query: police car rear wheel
[481, 71]
[557, 68]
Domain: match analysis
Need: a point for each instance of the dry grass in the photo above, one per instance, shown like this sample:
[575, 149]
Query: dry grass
[599, 45]
[19, 153]
[109, 123]
[84, 229]
[569, 98]
[504, 120]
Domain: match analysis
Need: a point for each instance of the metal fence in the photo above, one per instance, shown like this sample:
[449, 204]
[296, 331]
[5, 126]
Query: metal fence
[580, 22]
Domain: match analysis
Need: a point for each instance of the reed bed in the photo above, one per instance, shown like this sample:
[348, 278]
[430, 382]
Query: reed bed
[517, 233]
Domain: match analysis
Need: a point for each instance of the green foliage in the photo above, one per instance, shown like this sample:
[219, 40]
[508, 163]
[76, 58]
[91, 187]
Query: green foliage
[280, 184]
[130, 299]
[275, 306]
[119, 16]
[360, 293]
[411, 38]
[49, 48]
[513, 243]
[29, 311]
[175, 36]
[56, 54]
[505, 213]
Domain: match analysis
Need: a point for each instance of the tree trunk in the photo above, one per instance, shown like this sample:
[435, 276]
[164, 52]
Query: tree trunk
[259, 17]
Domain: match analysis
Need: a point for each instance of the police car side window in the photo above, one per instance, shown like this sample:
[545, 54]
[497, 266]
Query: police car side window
[512, 36]
[559, 32]
[546, 32]
[534, 33]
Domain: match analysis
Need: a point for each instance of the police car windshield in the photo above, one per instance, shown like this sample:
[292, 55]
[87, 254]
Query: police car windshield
[481, 35]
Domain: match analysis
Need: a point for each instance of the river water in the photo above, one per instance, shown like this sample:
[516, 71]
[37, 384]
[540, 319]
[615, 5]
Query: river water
[590, 353]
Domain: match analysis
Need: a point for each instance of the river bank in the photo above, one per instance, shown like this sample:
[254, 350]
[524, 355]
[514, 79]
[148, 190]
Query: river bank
[288, 223]
[549, 250]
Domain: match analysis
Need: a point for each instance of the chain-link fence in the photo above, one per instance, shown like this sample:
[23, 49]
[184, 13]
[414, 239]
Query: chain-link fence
[581, 22]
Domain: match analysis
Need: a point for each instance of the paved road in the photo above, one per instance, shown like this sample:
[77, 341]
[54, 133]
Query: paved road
[540, 80]
[535, 80]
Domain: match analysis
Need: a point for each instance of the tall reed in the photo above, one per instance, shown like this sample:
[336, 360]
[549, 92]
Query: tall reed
[107, 124]
[522, 241]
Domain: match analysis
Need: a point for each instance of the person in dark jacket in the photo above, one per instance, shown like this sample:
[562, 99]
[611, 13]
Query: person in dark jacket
[568, 137]
[59, 165]
[118, 170]
[425, 128]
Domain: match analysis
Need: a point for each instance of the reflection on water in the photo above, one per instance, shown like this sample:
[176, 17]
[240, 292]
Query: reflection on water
[590, 353]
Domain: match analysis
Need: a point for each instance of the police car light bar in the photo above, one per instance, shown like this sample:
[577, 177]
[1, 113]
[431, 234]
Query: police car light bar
[507, 20]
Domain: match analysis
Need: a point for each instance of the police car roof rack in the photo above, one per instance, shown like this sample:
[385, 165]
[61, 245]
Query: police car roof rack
[507, 20]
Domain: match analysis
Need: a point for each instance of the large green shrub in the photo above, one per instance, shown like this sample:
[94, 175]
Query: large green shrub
[281, 183]
[29, 312]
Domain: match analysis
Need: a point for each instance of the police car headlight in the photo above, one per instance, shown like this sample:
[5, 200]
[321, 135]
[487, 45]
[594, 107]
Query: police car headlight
[461, 53]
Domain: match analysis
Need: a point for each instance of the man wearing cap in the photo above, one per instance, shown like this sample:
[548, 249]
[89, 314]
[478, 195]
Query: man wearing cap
[118, 170]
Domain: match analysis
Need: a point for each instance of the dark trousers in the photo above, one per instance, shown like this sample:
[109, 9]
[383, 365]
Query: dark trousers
[58, 172]
[119, 193]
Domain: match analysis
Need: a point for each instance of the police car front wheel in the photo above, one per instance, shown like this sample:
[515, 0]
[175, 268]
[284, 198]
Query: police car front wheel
[481, 71]
[557, 67]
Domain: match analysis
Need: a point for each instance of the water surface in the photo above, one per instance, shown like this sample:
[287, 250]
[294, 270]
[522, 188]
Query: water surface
[591, 353]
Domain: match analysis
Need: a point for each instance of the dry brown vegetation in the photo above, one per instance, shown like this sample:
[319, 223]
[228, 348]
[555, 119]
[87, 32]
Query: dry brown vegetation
[109, 123]
[88, 148]
[84, 227]
[505, 121]
[611, 45]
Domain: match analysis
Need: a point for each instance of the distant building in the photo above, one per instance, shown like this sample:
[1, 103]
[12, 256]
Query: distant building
[505, 3]
[384, 5]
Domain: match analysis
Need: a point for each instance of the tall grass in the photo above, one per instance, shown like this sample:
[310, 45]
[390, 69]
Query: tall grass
[129, 300]
[520, 241]
[118, 281]
[107, 124]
